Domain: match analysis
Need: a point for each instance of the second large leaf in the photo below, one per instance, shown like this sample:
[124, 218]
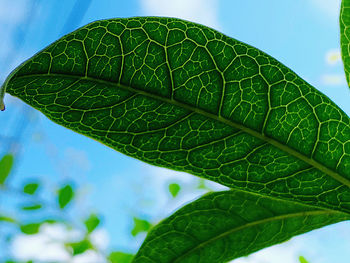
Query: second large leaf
[344, 22]
[180, 95]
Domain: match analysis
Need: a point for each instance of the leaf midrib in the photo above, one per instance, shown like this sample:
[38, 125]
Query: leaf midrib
[204, 113]
[251, 224]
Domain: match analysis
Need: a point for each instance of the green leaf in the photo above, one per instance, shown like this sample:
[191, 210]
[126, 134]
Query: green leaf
[120, 257]
[6, 164]
[222, 226]
[303, 260]
[202, 185]
[345, 36]
[80, 247]
[183, 96]
[92, 222]
[65, 195]
[8, 219]
[31, 207]
[53, 221]
[30, 229]
[30, 188]
[174, 189]
[140, 225]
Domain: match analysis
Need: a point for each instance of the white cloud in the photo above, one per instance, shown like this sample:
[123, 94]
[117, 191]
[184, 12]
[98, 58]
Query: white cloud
[89, 256]
[334, 79]
[201, 11]
[100, 239]
[328, 7]
[48, 245]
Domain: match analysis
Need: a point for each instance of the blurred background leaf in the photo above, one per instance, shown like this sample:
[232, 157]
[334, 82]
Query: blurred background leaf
[5, 167]
[174, 189]
[140, 225]
[303, 260]
[31, 207]
[80, 247]
[7, 219]
[120, 257]
[31, 188]
[92, 222]
[65, 195]
[30, 229]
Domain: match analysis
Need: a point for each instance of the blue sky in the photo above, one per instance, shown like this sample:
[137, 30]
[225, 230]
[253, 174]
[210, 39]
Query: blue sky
[301, 34]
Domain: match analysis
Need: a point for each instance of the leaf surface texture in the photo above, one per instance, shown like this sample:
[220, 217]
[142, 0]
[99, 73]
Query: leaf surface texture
[183, 96]
[222, 226]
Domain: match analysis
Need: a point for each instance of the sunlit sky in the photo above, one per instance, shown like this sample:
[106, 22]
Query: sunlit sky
[302, 34]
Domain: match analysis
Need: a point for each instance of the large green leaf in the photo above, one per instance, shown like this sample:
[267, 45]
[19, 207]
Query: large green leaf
[345, 36]
[222, 226]
[180, 95]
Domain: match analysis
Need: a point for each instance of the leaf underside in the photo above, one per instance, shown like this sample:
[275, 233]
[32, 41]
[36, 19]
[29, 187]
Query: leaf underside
[183, 96]
[345, 36]
[222, 226]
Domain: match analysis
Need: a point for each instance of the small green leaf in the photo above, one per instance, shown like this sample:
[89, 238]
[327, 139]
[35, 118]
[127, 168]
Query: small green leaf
[120, 257]
[140, 225]
[80, 247]
[222, 226]
[52, 221]
[183, 96]
[8, 219]
[30, 229]
[303, 260]
[30, 188]
[92, 222]
[202, 185]
[6, 164]
[31, 207]
[174, 189]
[345, 36]
[65, 195]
